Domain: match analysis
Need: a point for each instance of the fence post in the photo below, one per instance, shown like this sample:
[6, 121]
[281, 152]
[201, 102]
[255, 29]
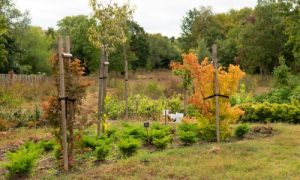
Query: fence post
[216, 89]
[63, 104]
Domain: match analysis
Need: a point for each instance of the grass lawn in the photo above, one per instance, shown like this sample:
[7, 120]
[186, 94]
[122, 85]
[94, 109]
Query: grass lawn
[276, 157]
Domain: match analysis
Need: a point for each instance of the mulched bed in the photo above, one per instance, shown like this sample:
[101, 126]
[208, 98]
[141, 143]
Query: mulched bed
[263, 131]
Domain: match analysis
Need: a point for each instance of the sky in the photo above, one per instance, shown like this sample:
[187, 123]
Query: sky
[156, 16]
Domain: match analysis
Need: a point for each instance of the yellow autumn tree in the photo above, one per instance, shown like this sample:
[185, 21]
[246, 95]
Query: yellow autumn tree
[203, 84]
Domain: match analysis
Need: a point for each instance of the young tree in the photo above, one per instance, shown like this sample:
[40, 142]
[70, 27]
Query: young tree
[75, 91]
[107, 30]
[203, 76]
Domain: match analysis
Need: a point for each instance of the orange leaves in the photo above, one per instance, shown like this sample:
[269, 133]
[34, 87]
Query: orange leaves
[203, 84]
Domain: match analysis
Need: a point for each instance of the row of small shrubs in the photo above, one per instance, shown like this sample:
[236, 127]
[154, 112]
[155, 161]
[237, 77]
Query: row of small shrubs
[190, 133]
[19, 118]
[128, 140]
[142, 106]
[22, 161]
[271, 113]
[102, 146]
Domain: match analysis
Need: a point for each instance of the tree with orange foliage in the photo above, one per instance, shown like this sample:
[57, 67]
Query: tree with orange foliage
[75, 84]
[203, 83]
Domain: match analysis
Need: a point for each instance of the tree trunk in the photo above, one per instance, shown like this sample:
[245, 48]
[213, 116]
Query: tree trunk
[101, 90]
[126, 80]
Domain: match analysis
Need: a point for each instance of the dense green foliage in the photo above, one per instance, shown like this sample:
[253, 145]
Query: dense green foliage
[241, 130]
[254, 38]
[102, 151]
[81, 47]
[160, 136]
[188, 133]
[23, 48]
[271, 113]
[89, 142]
[233, 31]
[142, 106]
[129, 146]
[22, 161]
[285, 86]
[47, 146]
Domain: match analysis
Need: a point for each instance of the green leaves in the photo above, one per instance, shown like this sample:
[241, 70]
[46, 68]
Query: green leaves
[81, 48]
[108, 24]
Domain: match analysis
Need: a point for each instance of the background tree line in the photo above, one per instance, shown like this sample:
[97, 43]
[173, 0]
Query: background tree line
[253, 38]
[26, 49]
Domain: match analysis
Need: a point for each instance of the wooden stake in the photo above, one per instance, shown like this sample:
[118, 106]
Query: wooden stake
[216, 85]
[105, 75]
[70, 105]
[63, 104]
[100, 93]
[126, 79]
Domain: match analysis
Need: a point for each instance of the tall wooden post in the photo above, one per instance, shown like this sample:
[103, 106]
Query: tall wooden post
[105, 75]
[63, 104]
[70, 105]
[100, 93]
[126, 79]
[216, 89]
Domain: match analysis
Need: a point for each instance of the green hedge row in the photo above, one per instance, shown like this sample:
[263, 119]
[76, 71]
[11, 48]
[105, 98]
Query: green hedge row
[271, 112]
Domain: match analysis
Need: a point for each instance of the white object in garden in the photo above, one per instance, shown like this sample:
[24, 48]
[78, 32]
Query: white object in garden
[179, 117]
[174, 117]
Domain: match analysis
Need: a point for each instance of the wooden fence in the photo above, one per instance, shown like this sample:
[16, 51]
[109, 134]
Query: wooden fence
[9, 79]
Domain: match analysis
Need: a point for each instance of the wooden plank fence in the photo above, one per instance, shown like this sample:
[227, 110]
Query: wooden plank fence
[9, 79]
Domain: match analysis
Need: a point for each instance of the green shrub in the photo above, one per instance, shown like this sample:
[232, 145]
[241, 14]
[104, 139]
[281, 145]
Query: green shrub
[241, 97]
[188, 137]
[175, 104]
[192, 111]
[160, 135]
[47, 146]
[241, 130]
[21, 162]
[161, 143]
[188, 133]
[113, 134]
[207, 130]
[137, 132]
[271, 112]
[102, 151]
[279, 95]
[89, 142]
[143, 106]
[129, 146]
[159, 131]
[57, 152]
[285, 86]
[114, 107]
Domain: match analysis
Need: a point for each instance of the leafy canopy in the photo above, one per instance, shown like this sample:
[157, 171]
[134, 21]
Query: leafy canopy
[109, 22]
